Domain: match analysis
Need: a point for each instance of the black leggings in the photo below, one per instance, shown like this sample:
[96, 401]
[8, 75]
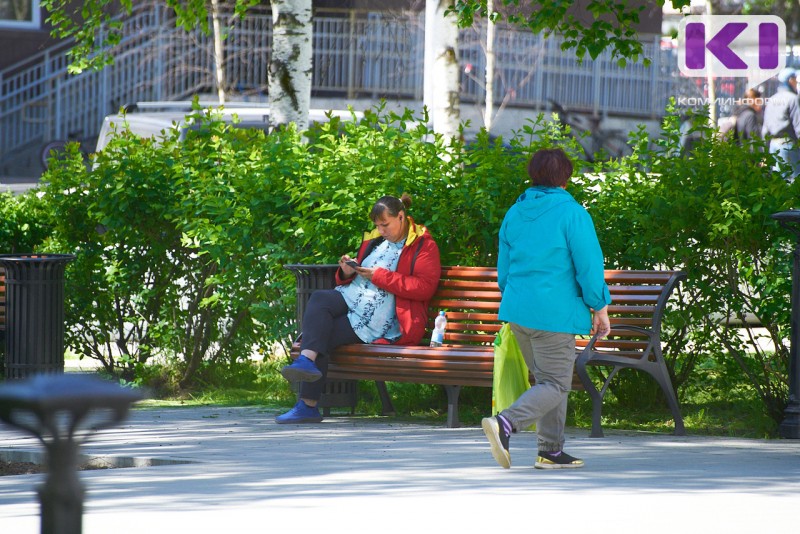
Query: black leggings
[325, 327]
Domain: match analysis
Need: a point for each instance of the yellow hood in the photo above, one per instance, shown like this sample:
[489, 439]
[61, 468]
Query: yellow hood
[414, 231]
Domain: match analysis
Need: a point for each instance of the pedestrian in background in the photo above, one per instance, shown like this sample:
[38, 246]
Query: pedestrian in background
[748, 124]
[782, 124]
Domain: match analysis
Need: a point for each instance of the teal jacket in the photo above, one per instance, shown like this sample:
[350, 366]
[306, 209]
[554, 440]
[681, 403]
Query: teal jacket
[550, 265]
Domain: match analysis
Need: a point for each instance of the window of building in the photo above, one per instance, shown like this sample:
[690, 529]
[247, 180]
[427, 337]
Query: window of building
[19, 14]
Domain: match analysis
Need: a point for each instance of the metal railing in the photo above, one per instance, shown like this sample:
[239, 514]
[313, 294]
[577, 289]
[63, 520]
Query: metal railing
[355, 55]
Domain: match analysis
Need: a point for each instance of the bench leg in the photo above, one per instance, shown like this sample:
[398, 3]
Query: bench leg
[452, 405]
[662, 377]
[387, 408]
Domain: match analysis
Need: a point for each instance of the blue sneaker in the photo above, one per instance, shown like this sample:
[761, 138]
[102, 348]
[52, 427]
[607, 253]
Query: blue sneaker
[301, 370]
[301, 413]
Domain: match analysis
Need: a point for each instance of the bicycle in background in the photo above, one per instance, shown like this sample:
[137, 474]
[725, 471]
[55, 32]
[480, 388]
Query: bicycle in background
[58, 147]
[598, 143]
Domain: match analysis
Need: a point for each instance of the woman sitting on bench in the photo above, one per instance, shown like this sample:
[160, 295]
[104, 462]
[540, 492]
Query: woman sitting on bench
[382, 297]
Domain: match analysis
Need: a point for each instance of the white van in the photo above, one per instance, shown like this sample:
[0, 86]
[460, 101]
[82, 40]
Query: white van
[149, 119]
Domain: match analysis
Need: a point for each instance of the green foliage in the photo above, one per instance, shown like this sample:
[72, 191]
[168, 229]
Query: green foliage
[177, 254]
[181, 240]
[181, 243]
[707, 213]
[94, 29]
[613, 25]
[83, 25]
[24, 222]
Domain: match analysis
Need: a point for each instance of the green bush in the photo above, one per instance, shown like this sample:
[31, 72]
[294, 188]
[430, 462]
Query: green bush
[25, 222]
[708, 214]
[179, 246]
[181, 243]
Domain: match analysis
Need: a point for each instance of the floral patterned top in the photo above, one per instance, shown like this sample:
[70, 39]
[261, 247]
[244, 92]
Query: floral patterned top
[372, 309]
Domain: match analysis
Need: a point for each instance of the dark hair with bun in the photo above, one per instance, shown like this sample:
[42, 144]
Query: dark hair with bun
[391, 205]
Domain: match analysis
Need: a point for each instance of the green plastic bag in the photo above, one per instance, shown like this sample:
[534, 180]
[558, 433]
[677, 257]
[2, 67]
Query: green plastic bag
[510, 377]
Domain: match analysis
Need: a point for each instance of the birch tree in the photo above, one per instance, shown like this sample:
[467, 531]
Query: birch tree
[92, 26]
[442, 72]
[219, 54]
[290, 66]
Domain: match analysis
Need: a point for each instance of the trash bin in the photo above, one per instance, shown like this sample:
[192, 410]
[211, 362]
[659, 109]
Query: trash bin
[34, 313]
[337, 393]
[309, 279]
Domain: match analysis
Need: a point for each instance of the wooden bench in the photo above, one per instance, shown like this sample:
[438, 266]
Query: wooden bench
[471, 298]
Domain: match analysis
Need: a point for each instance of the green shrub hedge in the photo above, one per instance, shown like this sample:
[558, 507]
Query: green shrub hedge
[181, 244]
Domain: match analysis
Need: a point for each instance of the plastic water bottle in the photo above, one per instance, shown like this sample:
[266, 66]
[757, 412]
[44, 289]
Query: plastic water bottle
[439, 326]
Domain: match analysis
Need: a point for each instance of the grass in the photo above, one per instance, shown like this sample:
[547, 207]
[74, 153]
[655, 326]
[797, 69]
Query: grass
[744, 418]
[703, 415]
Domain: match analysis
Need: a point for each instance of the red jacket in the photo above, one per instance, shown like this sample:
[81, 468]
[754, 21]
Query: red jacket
[413, 283]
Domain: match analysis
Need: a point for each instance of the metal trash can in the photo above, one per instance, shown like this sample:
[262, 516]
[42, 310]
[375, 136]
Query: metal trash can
[34, 313]
[337, 393]
[309, 279]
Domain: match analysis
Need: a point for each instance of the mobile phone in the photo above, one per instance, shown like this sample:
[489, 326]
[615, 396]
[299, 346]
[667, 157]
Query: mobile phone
[352, 263]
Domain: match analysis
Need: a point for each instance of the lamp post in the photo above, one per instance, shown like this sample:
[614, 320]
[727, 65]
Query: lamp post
[790, 427]
[62, 410]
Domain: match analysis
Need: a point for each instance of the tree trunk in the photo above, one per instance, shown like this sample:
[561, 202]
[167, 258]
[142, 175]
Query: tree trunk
[444, 67]
[219, 70]
[488, 114]
[290, 66]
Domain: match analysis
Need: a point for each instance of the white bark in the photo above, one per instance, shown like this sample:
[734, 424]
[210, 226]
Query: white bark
[712, 88]
[430, 30]
[219, 71]
[444, 74]
[290, 65]
[489, 112]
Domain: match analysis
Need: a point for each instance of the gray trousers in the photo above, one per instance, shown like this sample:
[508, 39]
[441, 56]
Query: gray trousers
[551, 358]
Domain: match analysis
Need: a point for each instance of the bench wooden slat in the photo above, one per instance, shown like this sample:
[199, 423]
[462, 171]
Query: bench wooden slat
[455, 315]
[471, 304]
[630, 348]
[467, 295]
[453, 326]
[397, 364]
[412, 377]
[477, 285]
[398, 351]
[636, 290]
[467, 273]
[477, 339]
[626, 299]
[614, 309]
[633, 321]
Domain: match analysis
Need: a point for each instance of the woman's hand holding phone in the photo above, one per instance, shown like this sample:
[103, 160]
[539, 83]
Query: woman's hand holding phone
[348, 266]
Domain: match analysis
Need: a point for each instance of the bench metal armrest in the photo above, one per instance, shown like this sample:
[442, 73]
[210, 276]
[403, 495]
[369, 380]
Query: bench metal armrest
[586, 354]
[644, 331]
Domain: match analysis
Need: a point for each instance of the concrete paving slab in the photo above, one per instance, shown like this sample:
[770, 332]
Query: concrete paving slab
[354, 474]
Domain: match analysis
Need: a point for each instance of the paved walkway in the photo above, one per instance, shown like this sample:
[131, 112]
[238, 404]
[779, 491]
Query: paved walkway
[351, 474]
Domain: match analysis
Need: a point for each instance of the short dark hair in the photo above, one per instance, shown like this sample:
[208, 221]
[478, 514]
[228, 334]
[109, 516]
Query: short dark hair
[390, 204]
[550, 167]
